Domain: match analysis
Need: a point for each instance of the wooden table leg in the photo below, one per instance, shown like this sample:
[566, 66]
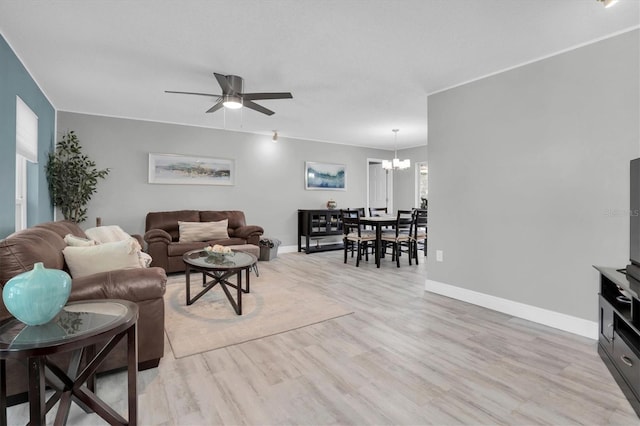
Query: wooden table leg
[132, 374]
[37, 403]
[187, 274]
[3, 392]
[378, 243]
[91, 381]
[239, 292]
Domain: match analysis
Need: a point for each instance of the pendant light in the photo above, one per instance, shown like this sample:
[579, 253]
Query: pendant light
[396, 163]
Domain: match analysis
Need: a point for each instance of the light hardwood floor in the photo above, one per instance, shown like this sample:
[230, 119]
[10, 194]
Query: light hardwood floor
[404, 357]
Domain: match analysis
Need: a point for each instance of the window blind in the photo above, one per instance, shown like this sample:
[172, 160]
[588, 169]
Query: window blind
[26, 131]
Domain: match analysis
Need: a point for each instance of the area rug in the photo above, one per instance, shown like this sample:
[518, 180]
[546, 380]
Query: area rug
[274, 306]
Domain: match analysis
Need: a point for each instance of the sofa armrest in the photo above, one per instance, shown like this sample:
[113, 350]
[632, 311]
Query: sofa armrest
[139, 238]
[136, 285]
[157, 235]
[248, 231]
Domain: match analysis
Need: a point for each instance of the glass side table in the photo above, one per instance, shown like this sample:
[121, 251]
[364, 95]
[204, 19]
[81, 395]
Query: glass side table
[219, 269]
[78, 328]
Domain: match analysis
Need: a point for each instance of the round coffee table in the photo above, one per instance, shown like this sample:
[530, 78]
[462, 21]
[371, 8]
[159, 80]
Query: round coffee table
[78, 329]
[219, 269]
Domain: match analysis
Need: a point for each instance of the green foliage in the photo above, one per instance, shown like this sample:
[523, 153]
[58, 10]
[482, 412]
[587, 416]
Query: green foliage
[72, 178]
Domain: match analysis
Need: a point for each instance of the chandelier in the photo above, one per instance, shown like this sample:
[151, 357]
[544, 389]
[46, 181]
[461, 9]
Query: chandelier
[396, 163]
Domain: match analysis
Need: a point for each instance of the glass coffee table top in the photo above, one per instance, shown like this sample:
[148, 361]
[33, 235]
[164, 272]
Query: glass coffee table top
[235, 260]
[76, 320]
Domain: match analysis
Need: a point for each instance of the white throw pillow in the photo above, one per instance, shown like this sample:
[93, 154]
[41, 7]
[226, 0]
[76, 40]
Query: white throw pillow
[203, 231]
[145, 259]
[113, 233]
[74, 241]
[108, 234]
[83, 261]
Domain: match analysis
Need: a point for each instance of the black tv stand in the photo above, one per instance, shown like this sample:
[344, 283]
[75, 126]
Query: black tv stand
[619, 335]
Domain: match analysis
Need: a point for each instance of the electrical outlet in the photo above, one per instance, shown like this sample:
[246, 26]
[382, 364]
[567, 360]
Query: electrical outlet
[439, 255]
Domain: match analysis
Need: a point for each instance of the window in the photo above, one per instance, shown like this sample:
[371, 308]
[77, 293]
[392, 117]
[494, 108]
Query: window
[26, 150]
[423, 180]
[21, 192]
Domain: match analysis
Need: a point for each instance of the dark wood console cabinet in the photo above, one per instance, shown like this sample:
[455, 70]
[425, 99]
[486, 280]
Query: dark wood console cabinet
[317, 224]
[619, 336]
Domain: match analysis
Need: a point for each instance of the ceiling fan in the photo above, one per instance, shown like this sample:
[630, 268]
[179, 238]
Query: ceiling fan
[233, 98]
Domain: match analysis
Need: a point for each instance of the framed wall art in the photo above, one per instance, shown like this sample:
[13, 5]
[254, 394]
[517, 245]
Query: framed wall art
[190, 170]
[325, 176]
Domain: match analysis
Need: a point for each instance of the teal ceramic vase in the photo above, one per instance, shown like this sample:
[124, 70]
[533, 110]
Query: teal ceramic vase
[35, 297]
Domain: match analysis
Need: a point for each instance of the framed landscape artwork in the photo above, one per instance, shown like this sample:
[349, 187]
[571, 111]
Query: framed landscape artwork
[186, 170]
[325, 176]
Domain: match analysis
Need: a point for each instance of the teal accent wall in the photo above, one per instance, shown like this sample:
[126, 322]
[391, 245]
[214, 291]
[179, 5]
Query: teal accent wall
[16, 81]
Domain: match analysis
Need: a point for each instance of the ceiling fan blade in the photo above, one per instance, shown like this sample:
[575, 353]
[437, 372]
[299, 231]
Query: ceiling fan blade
[259, 96]
[254, 106]
[216, 107]
[193, 93]
[224, 83]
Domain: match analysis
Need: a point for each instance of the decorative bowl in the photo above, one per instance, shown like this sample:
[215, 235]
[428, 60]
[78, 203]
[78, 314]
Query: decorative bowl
[219, 258]
[218, 252]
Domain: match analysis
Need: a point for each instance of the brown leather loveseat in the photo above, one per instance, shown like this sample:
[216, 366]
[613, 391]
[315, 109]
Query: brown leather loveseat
[145, 286]
[162, 234]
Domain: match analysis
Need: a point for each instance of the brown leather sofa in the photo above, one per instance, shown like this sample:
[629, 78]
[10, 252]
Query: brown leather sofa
[145, 286]
[162, 234]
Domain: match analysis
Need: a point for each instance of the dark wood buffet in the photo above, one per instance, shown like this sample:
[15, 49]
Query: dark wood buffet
[317, 225]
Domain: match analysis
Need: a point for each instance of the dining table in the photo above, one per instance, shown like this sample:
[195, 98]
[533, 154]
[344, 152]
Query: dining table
[377, 222]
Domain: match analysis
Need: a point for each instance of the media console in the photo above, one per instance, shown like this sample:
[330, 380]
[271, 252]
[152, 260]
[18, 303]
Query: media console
[619, 336]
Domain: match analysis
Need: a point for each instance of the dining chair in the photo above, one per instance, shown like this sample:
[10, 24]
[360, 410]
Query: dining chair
[400, 236]
[346, 228]
[355, 237]
[380, 211]
[360, 211]
[377, 211]
[419, 233]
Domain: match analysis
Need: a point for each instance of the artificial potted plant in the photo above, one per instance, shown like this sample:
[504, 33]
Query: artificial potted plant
[72, 178]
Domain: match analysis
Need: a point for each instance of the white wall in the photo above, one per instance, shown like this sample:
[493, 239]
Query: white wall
[525, 170]
[269, 184]
[404, 181]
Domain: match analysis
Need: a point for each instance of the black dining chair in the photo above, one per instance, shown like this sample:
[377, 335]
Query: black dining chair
[377, 211]
[419, 234]
[400, 237]
[380, 211]
[355, 237]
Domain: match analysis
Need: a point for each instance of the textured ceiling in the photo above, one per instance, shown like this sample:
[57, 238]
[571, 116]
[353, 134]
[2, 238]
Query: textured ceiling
[356, 68]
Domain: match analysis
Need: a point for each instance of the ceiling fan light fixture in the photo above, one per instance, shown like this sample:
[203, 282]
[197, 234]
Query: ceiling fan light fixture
[233, 96]
[608, 3]
[232, 102]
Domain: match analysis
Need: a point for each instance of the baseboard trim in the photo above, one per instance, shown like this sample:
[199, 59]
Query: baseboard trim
[290, 249]
[294, 249]
[287, 249]
[535, 314]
